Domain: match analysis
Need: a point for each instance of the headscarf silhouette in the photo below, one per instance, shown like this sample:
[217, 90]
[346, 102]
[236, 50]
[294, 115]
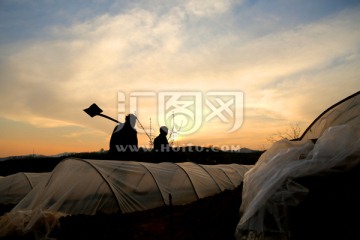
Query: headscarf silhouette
[161, 143]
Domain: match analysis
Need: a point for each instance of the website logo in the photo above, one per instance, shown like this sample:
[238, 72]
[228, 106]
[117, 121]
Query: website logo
[186, 112]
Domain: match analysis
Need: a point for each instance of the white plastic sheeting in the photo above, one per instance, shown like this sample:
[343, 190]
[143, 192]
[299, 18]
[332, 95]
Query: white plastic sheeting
[14, 187]
[347, 111]
[78, 186]
[269, 186]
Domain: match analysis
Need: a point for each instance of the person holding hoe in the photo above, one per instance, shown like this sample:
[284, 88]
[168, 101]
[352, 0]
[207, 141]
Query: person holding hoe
[124, 141]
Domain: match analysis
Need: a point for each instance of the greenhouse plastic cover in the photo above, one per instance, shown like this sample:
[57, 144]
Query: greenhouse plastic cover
[15, 186]
[346, 111]
[78, 186]
[269, 185]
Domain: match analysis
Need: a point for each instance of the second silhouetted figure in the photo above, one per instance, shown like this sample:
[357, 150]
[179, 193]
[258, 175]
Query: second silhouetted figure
[161, 143]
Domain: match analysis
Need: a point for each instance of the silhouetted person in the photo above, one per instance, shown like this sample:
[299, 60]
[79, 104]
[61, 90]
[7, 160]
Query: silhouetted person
[124, 141]
[161, 143]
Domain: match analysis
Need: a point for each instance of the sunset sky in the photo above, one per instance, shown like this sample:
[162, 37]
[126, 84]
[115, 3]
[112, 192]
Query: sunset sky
[285, 61]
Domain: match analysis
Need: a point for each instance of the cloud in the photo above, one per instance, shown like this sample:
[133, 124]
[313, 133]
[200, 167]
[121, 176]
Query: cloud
[48, 82]
[208, 8]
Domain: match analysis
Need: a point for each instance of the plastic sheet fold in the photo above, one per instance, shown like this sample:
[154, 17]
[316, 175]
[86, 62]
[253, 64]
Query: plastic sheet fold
[78, 186]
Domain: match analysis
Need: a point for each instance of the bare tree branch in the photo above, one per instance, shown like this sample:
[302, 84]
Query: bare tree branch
[292, 132]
